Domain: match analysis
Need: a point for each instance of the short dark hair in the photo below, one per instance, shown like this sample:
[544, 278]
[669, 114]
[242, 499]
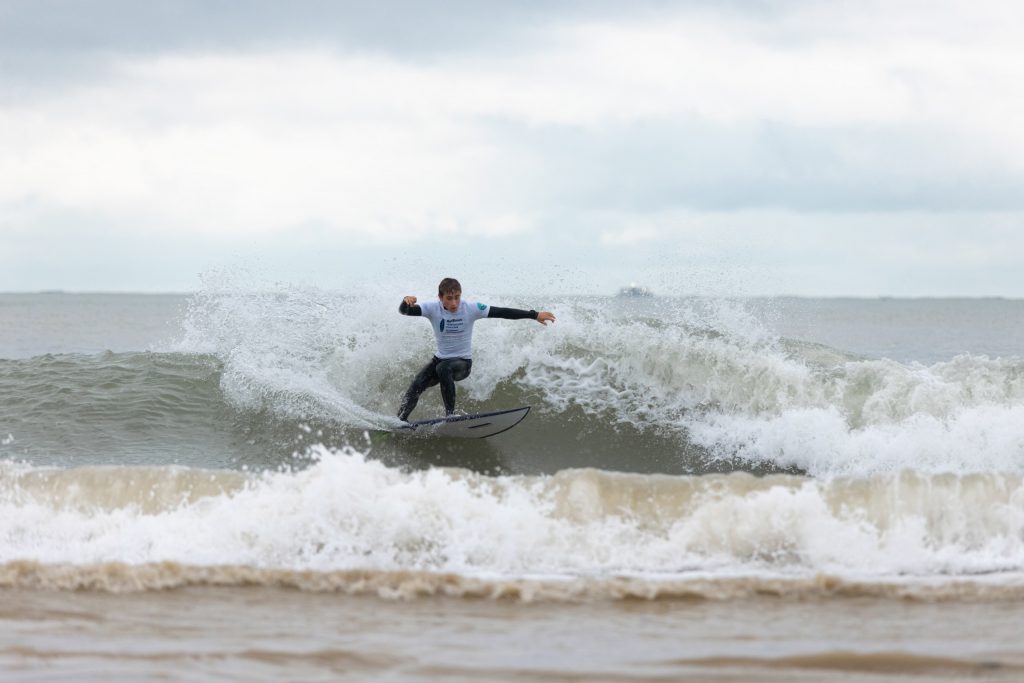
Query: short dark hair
[448, 285]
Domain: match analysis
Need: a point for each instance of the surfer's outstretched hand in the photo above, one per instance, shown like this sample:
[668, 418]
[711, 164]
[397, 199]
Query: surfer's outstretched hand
[545, 317]
[410, 300]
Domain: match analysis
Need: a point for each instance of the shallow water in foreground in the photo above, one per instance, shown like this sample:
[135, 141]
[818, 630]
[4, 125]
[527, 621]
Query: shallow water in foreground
[268, 634]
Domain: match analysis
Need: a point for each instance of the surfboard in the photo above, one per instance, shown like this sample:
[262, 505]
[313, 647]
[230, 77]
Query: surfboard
[476, 426]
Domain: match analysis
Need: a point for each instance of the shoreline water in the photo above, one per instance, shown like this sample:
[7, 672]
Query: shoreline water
[255, 634]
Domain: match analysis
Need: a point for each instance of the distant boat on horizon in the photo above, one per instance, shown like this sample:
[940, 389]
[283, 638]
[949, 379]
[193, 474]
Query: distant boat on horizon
[635, 290]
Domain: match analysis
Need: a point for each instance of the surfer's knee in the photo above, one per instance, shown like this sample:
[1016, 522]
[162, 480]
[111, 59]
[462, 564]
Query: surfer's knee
[462, 369]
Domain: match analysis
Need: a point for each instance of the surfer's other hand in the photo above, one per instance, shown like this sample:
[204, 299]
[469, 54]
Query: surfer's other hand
[410, 300]
[545, 317]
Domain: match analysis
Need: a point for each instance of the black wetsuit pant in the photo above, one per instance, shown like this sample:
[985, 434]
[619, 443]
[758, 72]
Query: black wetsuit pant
[445, 372]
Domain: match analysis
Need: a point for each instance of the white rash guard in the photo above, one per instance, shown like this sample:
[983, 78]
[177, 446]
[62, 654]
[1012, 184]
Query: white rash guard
[454, 331]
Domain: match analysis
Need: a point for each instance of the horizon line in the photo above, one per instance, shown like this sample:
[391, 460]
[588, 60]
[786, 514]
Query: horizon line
[879, 297]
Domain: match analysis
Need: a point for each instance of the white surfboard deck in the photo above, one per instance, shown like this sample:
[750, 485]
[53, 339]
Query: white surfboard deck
[466, 426]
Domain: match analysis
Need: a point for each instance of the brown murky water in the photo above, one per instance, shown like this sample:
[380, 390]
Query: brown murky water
[270, 634]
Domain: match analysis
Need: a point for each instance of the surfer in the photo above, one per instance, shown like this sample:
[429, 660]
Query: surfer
[452, 321]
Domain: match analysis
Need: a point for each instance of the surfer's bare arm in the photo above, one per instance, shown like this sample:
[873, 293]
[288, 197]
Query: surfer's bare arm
[543, 317]
[409, 306]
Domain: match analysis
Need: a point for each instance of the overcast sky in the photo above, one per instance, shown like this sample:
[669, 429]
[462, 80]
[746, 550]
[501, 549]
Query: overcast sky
[813, 148]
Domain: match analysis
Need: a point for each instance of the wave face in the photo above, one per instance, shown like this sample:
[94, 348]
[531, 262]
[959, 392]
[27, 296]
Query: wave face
[677, 386]
[345, 513]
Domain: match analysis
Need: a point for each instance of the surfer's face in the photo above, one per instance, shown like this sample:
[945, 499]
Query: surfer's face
[451, 301]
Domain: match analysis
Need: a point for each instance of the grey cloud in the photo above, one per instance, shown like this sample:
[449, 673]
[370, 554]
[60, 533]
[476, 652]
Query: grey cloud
[51, 43]
[128, 25]
[55, 28]
[56, 41]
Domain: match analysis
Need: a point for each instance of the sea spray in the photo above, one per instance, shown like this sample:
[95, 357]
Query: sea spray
[669, 385]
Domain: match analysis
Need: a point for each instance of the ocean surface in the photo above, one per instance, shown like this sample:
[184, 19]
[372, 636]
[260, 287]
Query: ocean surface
[204, 487]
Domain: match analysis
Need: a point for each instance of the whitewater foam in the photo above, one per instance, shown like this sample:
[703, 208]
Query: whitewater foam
[348, 513]
[821, 441]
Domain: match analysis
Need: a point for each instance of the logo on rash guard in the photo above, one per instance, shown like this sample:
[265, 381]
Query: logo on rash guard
[481, 306]
[453, 325]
